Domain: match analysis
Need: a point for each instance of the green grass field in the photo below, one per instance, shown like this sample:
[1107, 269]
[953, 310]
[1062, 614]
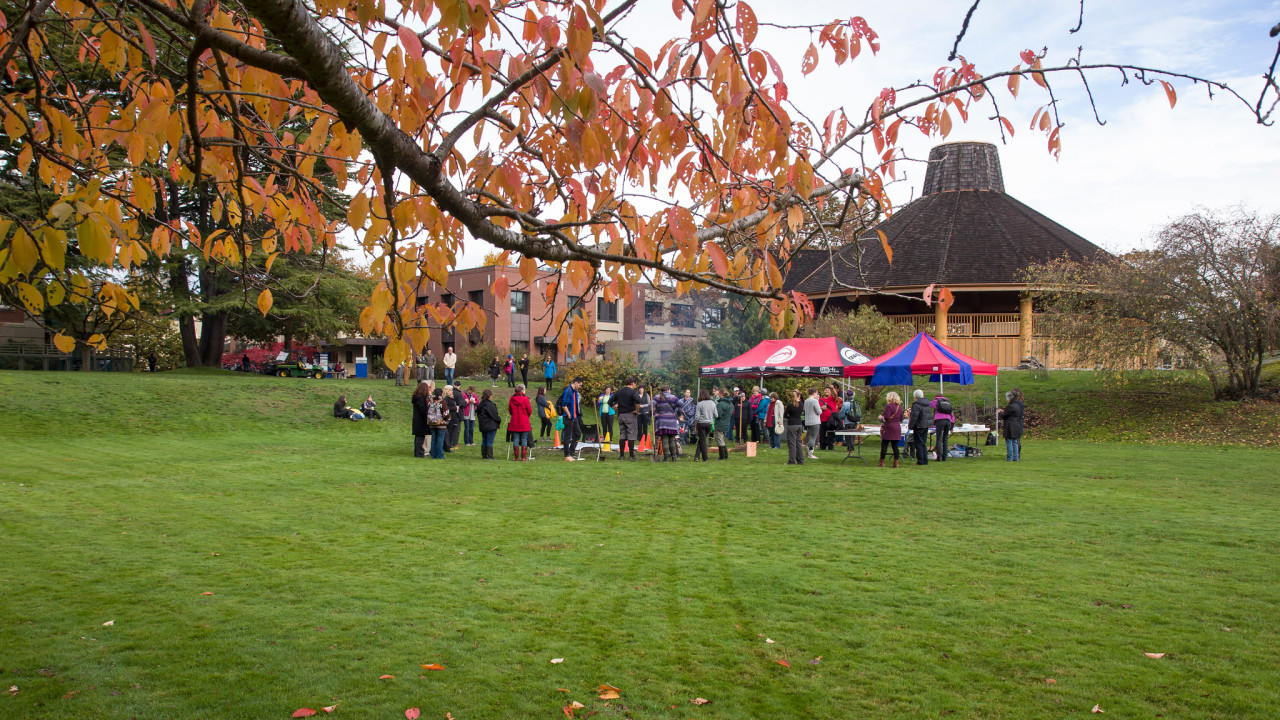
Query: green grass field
[975, 589]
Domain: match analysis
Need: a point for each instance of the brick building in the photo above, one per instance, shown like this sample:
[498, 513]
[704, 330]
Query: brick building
[524, 322]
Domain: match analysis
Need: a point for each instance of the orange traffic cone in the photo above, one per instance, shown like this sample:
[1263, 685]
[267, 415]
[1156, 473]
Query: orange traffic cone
[557, 443]
[644, 444]
[606, 442]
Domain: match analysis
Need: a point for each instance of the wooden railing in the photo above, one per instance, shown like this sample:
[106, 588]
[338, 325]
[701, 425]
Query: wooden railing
[967, 325]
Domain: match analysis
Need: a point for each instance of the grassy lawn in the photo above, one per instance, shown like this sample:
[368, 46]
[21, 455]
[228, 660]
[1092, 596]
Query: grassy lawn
[975, 589]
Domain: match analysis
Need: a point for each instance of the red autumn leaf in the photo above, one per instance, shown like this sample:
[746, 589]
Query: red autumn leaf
[784, 663]
[747, 24]
[434, 666]
[568, 711]
[810, 62]
[1170, 93]
[412, 713]
[303, 712]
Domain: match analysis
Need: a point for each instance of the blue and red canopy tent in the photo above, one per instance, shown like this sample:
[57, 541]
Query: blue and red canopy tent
[923, 355]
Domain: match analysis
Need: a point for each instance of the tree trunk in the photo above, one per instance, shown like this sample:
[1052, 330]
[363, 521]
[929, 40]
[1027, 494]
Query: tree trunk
[213, 338]
[86, 358]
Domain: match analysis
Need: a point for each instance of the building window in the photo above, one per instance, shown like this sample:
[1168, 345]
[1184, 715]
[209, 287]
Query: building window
[666, 355]
[519, 303]
[351, 356]
[476, 297]
[682, 315]
[575, 306]
[420, 301]
[606, 311]
[447, 299]
[653, 314]
[520, 348]
[712, 317]
[642, 357]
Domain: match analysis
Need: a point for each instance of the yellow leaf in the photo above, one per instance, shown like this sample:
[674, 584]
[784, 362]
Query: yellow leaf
[359, 210]
[64, 343]
[271, 259]
[884, 243]
[25, 253]
[264, 301]
[97, 341]
[56, 293]
[30, 297]
[94, 241]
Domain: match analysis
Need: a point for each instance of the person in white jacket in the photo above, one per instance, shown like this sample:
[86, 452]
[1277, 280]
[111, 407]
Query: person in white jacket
[450, 360]
[812, 421]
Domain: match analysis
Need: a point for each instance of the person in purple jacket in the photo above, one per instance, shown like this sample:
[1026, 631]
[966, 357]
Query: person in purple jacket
[891, 429]
[944, 420]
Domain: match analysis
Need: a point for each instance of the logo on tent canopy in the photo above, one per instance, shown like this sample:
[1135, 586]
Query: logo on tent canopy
[852, 356]
[782, 356]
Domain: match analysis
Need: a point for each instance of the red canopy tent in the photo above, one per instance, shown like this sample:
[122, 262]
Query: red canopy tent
[812, 357]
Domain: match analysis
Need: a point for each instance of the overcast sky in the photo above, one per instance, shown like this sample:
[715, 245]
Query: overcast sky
[1114, 184]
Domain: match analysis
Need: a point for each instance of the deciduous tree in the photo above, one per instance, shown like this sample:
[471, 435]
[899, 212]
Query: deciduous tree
[537, 126]
[1204, 295]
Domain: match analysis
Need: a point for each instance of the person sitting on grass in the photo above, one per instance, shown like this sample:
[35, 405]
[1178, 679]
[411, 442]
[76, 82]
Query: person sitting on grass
[340, 409]
[370, 408]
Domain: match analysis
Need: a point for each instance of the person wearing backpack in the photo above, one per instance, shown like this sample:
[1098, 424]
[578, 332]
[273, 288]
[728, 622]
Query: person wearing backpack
[510, 369]
[437, 422]
[943, 421]
[570, 408]
[920, 421]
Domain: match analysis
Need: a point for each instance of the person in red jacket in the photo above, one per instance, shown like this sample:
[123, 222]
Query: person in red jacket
[830, 413]
[519, 425]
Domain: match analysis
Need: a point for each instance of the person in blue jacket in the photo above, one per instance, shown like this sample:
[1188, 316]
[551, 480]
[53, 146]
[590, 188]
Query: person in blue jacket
[762, 412]
[570, 408]
[549, 370]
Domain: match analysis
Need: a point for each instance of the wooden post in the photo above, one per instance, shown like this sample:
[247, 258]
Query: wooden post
[1024, 327]
[940, 322]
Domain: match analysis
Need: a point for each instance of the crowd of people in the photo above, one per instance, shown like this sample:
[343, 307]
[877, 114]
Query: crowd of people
[448, 415]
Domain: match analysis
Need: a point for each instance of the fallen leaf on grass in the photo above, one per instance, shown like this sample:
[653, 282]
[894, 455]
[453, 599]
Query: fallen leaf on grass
[434, 666]
[386, 677]
[700, 701]
[816, 660]
[1050, 681]
[769, 640]
[206, 593]
[563, 689]
[1097, 709]
[576, 705]
[109, 623]
[13, 689]
[784, 663]
[556, 661]
[412, 713]
[303, 712]
[568, 711]
[609, 695]
[331, 708]
[1154, 656]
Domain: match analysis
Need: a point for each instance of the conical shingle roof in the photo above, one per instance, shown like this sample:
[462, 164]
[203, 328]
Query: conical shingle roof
[964, 231]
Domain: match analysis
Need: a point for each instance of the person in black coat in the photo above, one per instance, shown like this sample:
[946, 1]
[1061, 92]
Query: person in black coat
[494, 371]
[455, 416]
[1011, 418]
[488, 419]
[920, 422]
[420, 428]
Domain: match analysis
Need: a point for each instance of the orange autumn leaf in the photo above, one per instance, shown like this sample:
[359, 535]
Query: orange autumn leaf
[386, 677]
[609, 695]
[784, 663]
[206, 593]
[433, 666]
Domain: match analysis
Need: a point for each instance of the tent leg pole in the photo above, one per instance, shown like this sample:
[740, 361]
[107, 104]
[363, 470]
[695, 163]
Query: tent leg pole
[699, 393]
[997, 402]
